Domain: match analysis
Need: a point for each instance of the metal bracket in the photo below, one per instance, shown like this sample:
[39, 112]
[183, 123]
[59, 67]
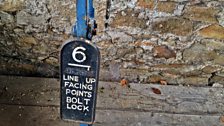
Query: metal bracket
[85, 26]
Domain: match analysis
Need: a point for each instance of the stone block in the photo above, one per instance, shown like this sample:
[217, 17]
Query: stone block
[163, 52]
[211, 69]
[219, 60]
[162, 6]
[214, 45]
[6, 18]
[217, 79]
[177, 69]
[129, 19]
[155, 78]
[11, 5]
[204, 14]
[193, 81]
[177, 26]
[198, 53]
[213, 31]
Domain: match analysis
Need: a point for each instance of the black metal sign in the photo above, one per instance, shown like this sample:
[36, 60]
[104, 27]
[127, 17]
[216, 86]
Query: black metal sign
[79, 71]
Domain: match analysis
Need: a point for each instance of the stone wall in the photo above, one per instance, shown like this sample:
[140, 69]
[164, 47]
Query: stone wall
[178, 42]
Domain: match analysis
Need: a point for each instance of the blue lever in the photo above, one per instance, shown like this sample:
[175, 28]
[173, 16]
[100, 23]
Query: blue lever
[85, 26]
[85, 125]
[80, 28]
[91, 10]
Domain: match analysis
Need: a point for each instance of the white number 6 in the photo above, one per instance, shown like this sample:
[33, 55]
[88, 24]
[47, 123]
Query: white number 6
[76, 51]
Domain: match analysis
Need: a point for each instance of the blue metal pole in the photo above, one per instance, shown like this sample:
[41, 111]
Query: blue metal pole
[85, 125]
[90, 9]
[82, 18]
[81, 25]
[85, 14]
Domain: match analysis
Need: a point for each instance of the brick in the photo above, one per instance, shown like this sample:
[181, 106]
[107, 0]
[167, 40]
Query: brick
[203, 14]
[177, 26]
[213, 31]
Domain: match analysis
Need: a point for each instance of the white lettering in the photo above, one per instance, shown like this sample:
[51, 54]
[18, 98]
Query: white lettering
[78, 85]
[86, 101]
[71, 78]
[67, 91]
[78, 90]
[73, 100]
[75, 52]
[78, 93]
[66, 83]
[76, 107]
[86, 108]
[90, 80]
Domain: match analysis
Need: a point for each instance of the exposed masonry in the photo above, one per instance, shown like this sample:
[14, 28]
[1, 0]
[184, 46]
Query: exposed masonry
[148, 41]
